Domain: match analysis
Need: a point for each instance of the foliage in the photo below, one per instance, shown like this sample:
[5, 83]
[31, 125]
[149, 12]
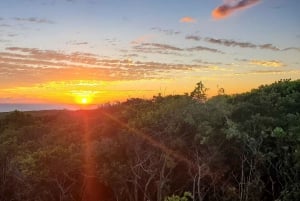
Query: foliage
[199, 93]
[244, 147]
[186, 197]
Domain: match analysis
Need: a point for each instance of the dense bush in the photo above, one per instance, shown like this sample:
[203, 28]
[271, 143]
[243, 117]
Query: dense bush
[243, 147]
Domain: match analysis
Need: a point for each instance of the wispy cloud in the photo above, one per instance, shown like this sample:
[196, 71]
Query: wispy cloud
[76, 43]
[12, 35]
[200, 61]
[263, 63]
[230, 43]
[130, 55]
[4, 41]
[143, 39]
[291, 48]
[34, 20]
[231, 6]
[218, 68]
[163, 46]
[201, 48]
[112, 41]
[20, 65]
[233, 43]
[45, 55]
[157, 48]
[268, 72]
[269, 47]
[188, 19]
[166, 31]
[267, 63]
[265, 72]
[5, 25]
[193, 37]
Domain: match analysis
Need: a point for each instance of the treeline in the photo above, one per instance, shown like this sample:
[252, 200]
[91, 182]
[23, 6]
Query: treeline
[244, 147]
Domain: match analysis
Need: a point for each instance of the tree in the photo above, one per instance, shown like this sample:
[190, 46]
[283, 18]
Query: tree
[199, 93]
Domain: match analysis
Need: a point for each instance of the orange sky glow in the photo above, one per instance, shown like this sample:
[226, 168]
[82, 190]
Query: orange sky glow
[80, 52]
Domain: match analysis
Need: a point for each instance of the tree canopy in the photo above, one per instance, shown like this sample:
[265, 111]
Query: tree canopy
[243, 147]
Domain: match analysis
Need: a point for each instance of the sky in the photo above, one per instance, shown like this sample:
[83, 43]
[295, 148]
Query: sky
[96, 51]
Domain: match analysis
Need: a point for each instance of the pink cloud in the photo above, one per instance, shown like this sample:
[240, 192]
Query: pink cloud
[231, 6]
[187, 19]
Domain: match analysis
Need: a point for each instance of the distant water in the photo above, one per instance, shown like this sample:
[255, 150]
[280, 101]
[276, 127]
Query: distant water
[8, 107]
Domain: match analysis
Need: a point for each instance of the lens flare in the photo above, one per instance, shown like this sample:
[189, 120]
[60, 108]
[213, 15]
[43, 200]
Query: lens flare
[83, 97]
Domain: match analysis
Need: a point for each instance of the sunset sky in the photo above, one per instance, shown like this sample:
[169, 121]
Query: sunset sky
[94, 51]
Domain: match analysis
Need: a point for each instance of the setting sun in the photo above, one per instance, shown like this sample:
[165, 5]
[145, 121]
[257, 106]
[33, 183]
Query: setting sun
[83, 97]
[84, 101]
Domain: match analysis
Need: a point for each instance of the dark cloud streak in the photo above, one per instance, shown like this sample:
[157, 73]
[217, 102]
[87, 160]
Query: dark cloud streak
[34, 20]
[157, 48]
[192, 37]
[169, 49]
[166, 31]
[77, 43]
[230, 43]
[201, 48]
[291, 48]
[268, 47]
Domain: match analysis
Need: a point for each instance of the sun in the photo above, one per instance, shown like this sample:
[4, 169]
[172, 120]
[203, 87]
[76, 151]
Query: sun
[82, 97]
[84, 100]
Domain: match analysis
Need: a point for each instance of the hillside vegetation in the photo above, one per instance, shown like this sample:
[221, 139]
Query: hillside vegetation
[244, 147]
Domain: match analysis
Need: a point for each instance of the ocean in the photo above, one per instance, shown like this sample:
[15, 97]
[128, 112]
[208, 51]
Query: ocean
[8, 107]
